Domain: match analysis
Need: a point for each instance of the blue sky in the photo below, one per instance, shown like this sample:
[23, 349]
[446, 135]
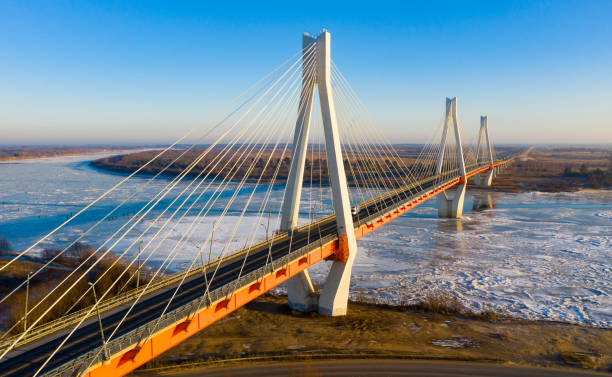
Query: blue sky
[146, 71]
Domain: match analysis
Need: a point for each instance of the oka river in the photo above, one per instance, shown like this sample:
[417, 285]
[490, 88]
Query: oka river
[534, 255]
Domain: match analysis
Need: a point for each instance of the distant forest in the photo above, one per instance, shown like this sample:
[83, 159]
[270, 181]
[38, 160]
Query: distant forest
[595, 178]
[251, 166]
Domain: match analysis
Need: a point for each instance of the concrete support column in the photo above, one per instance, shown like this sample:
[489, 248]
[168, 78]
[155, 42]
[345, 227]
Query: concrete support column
[299, 288]
[293, 191]
[301, 293]
[452, 207]
[334, 296]
[487, 180]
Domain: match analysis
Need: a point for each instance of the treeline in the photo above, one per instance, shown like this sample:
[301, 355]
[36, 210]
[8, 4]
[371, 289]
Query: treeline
[360, 171]
[594, 178]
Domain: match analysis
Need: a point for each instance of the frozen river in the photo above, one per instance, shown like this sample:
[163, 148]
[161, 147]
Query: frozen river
[545, 256]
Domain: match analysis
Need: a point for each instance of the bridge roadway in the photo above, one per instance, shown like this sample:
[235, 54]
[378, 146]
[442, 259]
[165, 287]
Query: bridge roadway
[19, 363]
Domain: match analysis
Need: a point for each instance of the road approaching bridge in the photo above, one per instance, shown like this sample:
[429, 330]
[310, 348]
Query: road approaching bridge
[387, 368]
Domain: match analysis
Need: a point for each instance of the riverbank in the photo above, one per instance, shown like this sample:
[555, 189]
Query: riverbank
[268, 329]
[544, 169]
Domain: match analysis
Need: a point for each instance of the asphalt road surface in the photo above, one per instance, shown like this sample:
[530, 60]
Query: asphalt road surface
[358, 368]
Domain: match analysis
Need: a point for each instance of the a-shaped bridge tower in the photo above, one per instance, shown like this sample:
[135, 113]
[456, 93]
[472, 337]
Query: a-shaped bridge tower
[484, 133]
[334, 296]
[451, 206]
[447, 206]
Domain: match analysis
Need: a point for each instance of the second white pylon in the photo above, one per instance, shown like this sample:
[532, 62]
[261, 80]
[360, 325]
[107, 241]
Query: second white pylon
[447, 206]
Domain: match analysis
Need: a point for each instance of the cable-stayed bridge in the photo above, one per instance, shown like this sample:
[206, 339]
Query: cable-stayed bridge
[273, 183]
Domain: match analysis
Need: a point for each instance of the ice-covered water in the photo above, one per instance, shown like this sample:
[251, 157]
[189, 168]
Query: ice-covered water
[535, 255]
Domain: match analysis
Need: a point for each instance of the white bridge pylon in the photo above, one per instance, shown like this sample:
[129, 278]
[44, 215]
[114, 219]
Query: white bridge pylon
[334, 295]
[452, 207]
[484, 132]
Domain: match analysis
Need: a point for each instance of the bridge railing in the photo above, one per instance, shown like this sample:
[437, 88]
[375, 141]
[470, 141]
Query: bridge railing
[181, 313]
[442, 180]
[125, 298]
